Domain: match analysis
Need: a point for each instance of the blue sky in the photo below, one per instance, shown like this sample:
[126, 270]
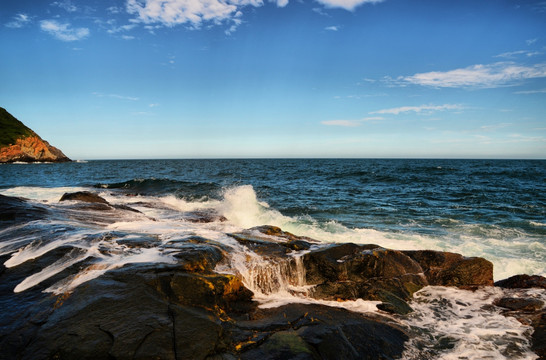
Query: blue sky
[285, 78]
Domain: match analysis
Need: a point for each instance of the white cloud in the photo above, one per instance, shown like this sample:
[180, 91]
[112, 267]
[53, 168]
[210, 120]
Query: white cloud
[349, 5]
[191, 12]
[66, 5]
[494, 127]
[121, 28]
[332, 28]
[280, 3]
[350, 123]
[113, 10]
[345, 123]
[418, 109]
[481, 76]
[319, 11]
[19, 21]
[531, 41]
[194, 13]
[63, 32]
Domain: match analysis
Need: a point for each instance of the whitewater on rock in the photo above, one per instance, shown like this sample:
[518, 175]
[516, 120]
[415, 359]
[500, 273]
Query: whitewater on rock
[271, 257]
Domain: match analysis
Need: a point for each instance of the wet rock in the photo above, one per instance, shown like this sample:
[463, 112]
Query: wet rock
[203, 217]
[319, 332]
[14, 210]
[198, 257]
[450, 269]
[126, 208]
[369, 272]
[357, 262]
[85, 196]
[539, 337]
[527, 310]
[522, 282]
[520, 304]
[94, 202]
[141, 312]
[271, 241]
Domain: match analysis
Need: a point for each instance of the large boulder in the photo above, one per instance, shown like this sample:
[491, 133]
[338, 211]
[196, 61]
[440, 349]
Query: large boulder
[450, 269]
[15, 210]
[272, 242]
[522, 281]
[141, 312]
[369, 272]
[84, 196]
[299, 331]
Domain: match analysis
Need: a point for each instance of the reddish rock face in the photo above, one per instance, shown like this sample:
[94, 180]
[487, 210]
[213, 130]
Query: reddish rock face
[31, 149]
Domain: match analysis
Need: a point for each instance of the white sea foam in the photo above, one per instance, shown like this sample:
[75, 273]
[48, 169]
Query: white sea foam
[183, 205]
[151, 255]
[66, 261]
[40, 194]
[510, 250]
[449, 323]
[466, 321]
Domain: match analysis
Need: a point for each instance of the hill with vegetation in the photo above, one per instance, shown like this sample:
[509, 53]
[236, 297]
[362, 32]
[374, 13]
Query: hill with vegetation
[12, 129]
[18, 143]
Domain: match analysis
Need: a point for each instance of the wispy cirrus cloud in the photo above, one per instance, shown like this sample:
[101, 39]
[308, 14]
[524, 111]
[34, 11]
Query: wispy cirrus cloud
[66, 5]
[350, 123]
[19, 21]
[332, 28]
[526, 92]
[513, 54]
[478, 76]
[122, 28]
[349, 5]
[116, 96]
[419, 109]
[63, 31]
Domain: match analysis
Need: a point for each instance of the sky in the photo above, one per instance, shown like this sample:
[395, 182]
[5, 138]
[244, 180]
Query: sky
[283, 78]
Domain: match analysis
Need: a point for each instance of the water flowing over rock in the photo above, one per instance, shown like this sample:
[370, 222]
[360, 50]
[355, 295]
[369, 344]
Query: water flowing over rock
[18, 143]
[191, 297]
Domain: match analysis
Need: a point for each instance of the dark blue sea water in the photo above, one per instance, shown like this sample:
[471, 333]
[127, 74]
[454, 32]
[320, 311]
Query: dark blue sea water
[491, 208]
[495, 209]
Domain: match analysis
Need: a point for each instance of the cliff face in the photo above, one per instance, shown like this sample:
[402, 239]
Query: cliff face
[19, 143]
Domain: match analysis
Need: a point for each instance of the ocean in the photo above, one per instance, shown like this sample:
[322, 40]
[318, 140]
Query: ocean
[495, 209]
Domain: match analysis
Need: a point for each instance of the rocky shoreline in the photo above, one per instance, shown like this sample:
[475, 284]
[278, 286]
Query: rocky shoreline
[189, 310]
